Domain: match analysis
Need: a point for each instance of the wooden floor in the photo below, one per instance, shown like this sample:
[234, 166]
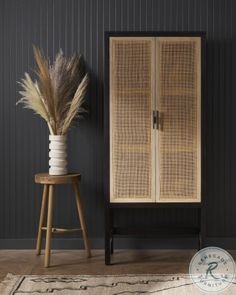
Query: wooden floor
[74, 262]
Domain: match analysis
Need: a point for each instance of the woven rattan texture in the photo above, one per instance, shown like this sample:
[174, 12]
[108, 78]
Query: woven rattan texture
[178, 106]
[130, 118]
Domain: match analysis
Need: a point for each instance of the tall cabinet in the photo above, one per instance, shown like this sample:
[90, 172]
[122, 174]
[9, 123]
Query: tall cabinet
[153, 94]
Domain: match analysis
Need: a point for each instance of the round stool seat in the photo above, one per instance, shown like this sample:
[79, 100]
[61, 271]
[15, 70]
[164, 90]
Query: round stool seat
[45, 178]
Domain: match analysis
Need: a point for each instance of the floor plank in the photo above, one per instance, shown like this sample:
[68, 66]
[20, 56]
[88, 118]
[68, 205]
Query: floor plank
[74, 262]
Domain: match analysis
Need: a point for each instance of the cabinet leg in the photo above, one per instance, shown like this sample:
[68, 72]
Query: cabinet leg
[108, 236]
[202, 222]
[107, 251]
[199, 241]
[112, 244]
[41, 219]
[81, 218]
[49, 227]
[111, 232]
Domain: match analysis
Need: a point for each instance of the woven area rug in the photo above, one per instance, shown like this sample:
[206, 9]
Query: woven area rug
[102, 285]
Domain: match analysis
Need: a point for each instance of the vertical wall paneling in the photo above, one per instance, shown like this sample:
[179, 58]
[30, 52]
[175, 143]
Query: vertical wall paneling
[79, 25]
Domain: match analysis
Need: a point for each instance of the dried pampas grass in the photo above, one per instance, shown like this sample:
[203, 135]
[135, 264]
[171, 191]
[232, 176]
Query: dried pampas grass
[59, 93]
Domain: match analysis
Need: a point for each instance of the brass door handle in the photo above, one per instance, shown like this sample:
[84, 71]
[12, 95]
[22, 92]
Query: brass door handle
[154, 119]
[157, 120]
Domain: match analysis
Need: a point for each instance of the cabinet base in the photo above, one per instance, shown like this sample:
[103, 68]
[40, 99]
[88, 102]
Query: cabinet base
[164, 232]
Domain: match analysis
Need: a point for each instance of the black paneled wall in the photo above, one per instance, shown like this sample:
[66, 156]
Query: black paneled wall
[79, 25]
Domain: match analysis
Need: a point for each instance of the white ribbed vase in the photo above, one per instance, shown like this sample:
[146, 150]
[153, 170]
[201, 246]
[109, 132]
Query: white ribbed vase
[57, 155]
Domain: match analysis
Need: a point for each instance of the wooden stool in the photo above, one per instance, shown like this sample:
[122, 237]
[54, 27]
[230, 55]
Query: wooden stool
[49, 181]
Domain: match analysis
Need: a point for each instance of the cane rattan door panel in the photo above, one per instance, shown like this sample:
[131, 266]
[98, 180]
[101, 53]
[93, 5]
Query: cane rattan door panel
[132, 143]
[179, 105]
[155, 158]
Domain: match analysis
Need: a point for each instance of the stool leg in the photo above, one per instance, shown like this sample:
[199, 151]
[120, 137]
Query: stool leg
[41, 219]
[49, 227]
[81, 218]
